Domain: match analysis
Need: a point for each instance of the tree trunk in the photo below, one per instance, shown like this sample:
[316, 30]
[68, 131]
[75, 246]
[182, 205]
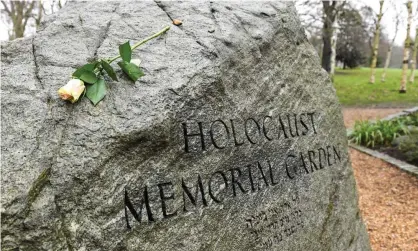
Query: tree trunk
[38, 19]
[329, 36]
[18, 28]
[326, 49]
[406, 49]
[19, 13]
[389, 52]
[376, 44]
[333, 48]
[414, 58]
[388, 57]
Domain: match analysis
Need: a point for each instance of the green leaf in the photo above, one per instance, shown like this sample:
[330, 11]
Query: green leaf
[88, 77]
[133, 71]
[125, 52]
[78, 72]
[109, 70]
[84, 68]
[90, 66]
[96, 92]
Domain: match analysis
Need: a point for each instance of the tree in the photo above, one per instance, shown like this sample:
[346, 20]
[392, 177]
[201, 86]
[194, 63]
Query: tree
[397, 21]
[324, 17]
[310, 13]
[39, 17]
[414, 52]
[19, 13]
[316, 41]
[23, 14]
[414, 57]
[375, 46]
[331, 10]
[352, 38]
[369, 22]
[406, 48]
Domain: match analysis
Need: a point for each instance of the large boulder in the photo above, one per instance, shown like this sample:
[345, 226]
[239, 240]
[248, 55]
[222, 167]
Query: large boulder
[233, 140]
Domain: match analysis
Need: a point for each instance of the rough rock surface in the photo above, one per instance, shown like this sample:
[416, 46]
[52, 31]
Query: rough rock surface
[73, 176]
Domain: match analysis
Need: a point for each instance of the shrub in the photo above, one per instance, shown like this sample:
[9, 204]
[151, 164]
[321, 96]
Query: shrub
[380, 133]
[411, 119]
[409, 147]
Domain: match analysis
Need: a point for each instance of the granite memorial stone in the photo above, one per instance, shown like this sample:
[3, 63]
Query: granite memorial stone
[233, 140]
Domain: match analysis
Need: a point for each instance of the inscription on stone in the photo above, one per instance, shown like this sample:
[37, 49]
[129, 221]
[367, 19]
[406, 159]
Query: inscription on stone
[271, 226]
[233, 132]
[156, 201]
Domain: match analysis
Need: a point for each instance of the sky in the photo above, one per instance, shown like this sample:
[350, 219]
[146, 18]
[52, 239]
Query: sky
[391, 8]
[387, 20]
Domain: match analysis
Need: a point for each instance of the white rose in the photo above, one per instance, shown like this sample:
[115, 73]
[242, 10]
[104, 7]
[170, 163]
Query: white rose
[72, 90]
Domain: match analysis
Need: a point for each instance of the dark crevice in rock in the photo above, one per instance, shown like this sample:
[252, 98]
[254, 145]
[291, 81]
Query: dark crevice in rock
[66, 233]
[162, 7]
[328, 215]
[243, 24]
[35, 190]
[38, 78]
[130, 26]
[80, 19]
[212, 12]
[206, 51]
[103, 36]
[55, 64]
[275, 8]
[192, 35]
[173, 91]
[63, 133]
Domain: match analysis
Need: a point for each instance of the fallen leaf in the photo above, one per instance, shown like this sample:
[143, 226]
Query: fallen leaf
[177, 22]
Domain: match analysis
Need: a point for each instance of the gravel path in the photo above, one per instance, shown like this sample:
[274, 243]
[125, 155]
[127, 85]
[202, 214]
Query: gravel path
[353, 114]
[388, 196]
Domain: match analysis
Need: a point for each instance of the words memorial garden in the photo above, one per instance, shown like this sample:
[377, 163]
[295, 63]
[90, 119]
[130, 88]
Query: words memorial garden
[237, 180]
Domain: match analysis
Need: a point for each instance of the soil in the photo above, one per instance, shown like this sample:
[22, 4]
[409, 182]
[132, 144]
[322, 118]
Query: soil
[388, 196]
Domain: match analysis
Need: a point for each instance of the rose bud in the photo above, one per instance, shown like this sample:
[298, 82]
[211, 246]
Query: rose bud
[72, 90]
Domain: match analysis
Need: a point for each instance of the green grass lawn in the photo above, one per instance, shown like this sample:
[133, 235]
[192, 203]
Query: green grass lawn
[353, 88]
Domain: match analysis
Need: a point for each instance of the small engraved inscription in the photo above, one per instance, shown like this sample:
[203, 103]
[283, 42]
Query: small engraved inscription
[272, 226]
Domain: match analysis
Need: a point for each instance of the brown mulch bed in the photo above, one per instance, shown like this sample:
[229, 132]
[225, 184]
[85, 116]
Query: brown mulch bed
[353, 114]
[388, 197]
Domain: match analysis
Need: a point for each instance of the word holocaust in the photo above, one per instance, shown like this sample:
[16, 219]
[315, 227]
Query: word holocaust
[222, 133]
[169, 199]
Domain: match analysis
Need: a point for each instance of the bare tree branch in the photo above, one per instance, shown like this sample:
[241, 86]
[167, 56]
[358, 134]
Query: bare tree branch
[5, 7]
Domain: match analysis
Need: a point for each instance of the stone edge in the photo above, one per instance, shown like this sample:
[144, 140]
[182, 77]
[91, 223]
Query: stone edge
[398, 163]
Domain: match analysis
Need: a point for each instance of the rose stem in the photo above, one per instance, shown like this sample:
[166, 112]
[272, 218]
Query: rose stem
[143, 42]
